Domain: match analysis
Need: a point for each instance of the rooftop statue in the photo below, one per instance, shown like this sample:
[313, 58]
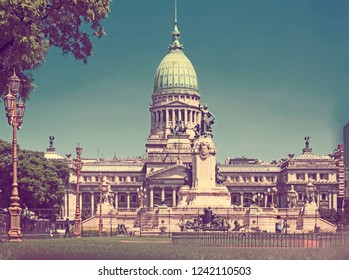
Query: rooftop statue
[207, 120]
[306, 138]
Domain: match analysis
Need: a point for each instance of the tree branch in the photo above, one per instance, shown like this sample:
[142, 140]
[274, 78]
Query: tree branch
[7, 45]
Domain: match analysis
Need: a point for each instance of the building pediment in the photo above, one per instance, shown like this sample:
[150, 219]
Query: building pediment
[172, 172]
[177, 103]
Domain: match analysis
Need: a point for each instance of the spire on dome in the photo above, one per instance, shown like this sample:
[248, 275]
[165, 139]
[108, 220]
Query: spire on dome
[176, 45]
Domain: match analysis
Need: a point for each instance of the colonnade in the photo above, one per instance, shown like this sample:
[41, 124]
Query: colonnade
[164, 118]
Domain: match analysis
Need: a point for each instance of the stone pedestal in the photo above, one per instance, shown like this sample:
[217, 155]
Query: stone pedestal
[204, 191]
[311, 216]
[106, 208]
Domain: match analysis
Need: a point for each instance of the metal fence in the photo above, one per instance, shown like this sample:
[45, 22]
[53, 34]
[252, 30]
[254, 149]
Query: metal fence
[261, 240]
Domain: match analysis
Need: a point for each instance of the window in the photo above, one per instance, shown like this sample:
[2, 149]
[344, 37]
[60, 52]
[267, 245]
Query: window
[300, 196]
[312, 176]
[122, 198]
[235, 179]
[270, 179]
[258, 179]
[300, 176]
[246, 179]
[323, 196]
[324, 176]
[122, 179]
[234, 199]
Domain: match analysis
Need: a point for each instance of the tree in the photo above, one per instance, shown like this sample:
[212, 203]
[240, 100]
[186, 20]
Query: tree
[41, 182]
[28, 28]
[331, 215]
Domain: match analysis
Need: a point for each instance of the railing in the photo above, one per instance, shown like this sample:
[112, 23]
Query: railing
[261, 240]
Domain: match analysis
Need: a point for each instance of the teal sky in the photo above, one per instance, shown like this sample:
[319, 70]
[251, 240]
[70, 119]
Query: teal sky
[271, 71]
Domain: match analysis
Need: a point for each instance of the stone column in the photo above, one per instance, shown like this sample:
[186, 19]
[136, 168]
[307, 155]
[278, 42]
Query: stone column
[242, 199]
[173, 117]
[128, 201]
[329, 200]
[92, 203]
[335, 201]
[317, 177]
[174, 196]
[318, 199]
[266, 199]
[306, 177]
[167, 118]
[180, 114]
[161, 118]
[185, 117]
[116, 199]
[162, 194]
[151, 197]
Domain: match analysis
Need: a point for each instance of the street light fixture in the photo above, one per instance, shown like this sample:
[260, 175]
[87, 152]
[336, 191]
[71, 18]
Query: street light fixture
[77, 166]
[272, 192]
[15, 109]
[142, 194]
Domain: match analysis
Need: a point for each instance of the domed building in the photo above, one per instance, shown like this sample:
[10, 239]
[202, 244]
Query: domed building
[150, 186]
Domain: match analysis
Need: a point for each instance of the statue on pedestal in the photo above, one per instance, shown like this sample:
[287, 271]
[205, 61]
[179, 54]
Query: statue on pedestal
[207, 120]
[292, 198]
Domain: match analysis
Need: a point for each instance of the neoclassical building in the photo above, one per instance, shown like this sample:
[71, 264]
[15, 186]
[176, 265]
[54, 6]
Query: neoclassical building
[175, 111]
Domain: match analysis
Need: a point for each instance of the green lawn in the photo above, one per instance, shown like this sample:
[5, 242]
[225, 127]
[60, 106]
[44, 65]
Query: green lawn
[128, 248]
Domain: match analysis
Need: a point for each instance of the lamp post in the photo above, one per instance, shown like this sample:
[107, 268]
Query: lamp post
[272, 192]
[78, 166]
[141, 191]
[100, 188]
[15, 108]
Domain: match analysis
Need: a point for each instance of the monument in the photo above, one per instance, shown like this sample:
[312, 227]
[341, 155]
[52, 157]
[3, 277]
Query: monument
[203, 189]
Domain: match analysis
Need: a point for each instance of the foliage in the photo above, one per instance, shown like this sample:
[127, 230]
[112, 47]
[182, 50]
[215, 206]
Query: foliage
[41, 182]
[28, 28]
[331, 215]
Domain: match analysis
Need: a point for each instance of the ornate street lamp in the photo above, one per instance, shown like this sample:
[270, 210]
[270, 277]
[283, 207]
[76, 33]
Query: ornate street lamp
[15, 109]
[142, 194]
[272, 192]
[100, 188]
[77, 167]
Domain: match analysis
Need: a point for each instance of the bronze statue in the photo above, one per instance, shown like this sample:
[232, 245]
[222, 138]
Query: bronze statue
[51, 141]
[219, 177]
[207, 120]
[178, 128]
[306, 138]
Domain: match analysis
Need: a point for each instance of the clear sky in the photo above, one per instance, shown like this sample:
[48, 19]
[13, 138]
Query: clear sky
[271, 71]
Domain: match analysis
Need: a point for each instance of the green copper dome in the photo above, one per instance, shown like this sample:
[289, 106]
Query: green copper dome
[175, 72]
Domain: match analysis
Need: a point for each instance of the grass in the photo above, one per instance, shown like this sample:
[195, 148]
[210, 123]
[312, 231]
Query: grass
[131, 248]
